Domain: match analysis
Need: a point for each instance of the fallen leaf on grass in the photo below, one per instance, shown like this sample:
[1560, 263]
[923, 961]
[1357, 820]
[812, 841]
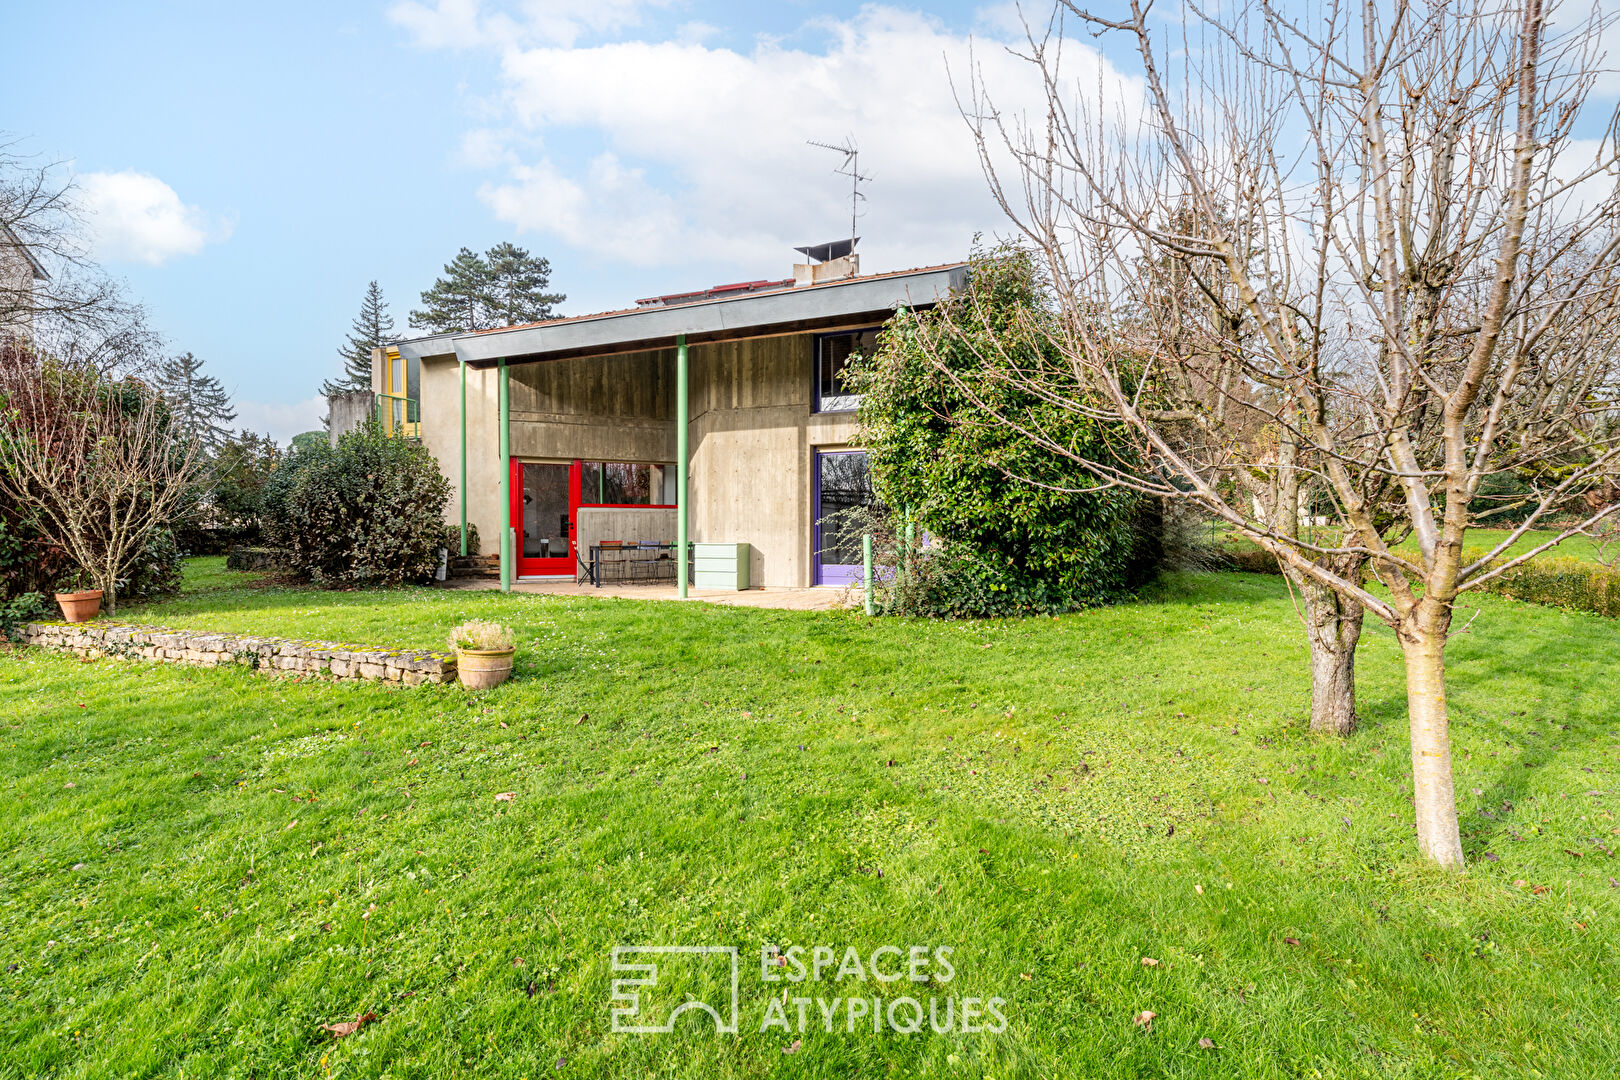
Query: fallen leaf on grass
[349, 1027]
[1026, 976]
[503, 723]
[1290, 941]
[70, 784]
[794, 1049]
[1539, 889]
[584, 716]
[1144, 1020]
[291, 823]
[1520, 883]
[1148, 961]
[506, 796]
[1206, 1044]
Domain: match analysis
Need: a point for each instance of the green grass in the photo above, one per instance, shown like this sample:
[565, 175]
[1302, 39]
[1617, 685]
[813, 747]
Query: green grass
[1484, 540]
[198, 868]
[1481, 540]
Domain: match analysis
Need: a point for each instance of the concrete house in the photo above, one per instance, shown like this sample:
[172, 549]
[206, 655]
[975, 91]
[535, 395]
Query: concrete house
[716, 417]
[19, 270]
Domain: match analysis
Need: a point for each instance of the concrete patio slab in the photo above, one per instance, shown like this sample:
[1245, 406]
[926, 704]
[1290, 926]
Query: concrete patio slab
[822, 598]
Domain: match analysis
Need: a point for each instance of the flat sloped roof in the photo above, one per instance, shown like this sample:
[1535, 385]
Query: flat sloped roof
[764, 313]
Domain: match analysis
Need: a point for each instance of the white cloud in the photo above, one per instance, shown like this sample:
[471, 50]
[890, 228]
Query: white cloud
[138, 218]
[464, 24]
[280, 420]
[705, 147]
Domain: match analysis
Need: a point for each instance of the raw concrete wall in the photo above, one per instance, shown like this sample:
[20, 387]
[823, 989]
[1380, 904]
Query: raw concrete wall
[346, 412]
[439, 411]
[605, 408]
[752, 439]
[617, 408]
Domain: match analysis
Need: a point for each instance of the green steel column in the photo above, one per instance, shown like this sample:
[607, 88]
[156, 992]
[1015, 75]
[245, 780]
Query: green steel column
[506, 482]
[866, 566]
[464, 459]
[681, 405]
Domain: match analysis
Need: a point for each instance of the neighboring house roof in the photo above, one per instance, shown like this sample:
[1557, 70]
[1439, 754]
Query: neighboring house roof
[730, 315]
[39, 270]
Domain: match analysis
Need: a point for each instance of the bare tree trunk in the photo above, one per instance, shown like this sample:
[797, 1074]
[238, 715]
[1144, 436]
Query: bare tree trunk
[1333, 626]
[1423, 640]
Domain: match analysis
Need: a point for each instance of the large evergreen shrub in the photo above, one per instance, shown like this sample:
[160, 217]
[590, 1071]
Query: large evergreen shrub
[1018, 527]
[367, 512]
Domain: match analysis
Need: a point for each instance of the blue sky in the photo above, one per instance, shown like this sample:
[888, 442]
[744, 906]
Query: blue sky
[251, 167]
[254, 166]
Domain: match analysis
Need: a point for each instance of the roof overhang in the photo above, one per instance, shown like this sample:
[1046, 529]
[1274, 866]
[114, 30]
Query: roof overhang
[418, 348]
[33, 264]
[765, 314]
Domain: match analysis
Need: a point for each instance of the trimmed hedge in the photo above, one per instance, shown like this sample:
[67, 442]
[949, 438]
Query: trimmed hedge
[1553, 580]
[1560, 581]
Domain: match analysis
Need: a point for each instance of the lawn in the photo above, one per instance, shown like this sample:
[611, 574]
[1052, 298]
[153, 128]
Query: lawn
[1482, 540]
[200, 868]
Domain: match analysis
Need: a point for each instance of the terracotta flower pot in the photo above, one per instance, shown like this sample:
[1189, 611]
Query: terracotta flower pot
[79, 606]
[480, 669]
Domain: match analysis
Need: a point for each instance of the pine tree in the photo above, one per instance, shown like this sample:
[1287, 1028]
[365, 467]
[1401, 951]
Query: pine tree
[503, 287]
[457, 302]
[370, 329]
[516, 283]
[201, 407]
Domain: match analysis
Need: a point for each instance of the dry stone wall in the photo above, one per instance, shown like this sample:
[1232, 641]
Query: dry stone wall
[275, 655]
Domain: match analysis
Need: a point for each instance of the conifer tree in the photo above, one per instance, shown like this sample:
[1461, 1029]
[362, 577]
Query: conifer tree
[516, 285]
[456, 302]
[370, 329]
[199, 403]
[503, 287]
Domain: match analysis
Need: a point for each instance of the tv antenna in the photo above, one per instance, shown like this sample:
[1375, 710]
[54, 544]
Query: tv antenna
[851, 169]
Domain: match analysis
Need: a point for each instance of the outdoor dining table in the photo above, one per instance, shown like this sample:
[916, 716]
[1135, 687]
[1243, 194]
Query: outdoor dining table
[640, 560]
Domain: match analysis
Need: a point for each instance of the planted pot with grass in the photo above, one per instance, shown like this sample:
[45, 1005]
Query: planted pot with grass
[483, 653]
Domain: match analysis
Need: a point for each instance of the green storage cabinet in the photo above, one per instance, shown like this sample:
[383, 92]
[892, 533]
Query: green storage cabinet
[720, 566]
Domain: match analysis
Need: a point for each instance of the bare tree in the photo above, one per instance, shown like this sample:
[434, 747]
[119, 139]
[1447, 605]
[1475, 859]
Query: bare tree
[98, 461]
[51, 289]
[1404, 222]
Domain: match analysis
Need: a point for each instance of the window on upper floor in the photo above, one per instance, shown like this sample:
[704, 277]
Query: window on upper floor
[833, 354]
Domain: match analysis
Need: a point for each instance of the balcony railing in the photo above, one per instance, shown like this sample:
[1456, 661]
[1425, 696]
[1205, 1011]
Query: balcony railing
[399, 416]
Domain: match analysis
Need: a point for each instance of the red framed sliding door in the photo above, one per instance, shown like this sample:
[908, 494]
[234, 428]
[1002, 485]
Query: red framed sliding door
[545, 505]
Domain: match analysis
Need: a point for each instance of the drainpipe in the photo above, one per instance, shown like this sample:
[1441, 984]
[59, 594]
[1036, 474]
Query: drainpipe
[681, 405]
[463, 365]
[506, 480]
